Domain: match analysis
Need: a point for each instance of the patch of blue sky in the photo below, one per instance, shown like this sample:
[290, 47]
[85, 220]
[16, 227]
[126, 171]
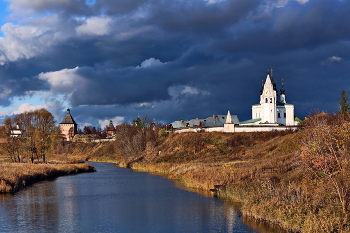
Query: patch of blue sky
[4, 12]
[18, 104]
[20, 100]
[90, 2]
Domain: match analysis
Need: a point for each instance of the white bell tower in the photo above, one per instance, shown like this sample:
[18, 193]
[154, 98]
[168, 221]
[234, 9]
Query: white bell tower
[268, 100]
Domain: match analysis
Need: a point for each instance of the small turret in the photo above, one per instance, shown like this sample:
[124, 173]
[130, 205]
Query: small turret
[228, 117]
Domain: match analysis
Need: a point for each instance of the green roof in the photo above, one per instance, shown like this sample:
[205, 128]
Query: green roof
[296, 118]
[250, 121]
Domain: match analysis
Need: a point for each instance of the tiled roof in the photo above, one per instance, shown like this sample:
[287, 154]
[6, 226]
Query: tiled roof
[68, 119]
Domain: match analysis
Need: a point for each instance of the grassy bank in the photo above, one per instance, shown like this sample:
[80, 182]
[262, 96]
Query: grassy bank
[297, 180]
[14, 176]
[262, 171]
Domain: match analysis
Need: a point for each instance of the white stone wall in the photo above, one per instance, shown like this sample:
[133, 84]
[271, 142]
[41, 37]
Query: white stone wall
[290, 114]
[256, 111]
[214, 129]
[263, 128]
[230, 128]
[281, 119]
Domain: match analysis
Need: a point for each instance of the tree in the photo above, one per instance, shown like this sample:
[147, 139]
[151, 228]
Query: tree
[138, 123]
[344, 106]
[87, 129]
[12, 146]
[41, 134]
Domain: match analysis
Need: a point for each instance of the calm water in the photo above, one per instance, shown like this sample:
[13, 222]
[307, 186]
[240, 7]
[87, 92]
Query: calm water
[115, 200]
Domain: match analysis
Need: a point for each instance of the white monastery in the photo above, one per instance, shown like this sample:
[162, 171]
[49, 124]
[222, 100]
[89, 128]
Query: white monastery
[272, 113]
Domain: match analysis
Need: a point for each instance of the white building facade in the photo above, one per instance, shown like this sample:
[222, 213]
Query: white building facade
[272, 110]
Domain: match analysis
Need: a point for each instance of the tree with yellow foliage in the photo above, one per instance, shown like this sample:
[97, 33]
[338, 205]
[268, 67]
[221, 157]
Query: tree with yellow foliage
[40, 137]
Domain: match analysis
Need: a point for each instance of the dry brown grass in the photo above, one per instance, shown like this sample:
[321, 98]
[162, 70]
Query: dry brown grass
[262, 171]
[14, 176]
[287, 196]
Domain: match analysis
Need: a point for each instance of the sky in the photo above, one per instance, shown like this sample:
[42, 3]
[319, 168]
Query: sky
[170, 60]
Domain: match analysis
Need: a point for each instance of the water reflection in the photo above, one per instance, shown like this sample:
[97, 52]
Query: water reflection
[115, 200]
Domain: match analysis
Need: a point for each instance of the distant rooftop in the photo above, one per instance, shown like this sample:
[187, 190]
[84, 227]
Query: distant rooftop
[68, 119]
[250, 121]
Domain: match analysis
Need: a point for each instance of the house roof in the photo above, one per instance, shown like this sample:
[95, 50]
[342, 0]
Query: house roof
[297, 118]
[251, 121]
[179, 124]
[214, 121]
[68, 119]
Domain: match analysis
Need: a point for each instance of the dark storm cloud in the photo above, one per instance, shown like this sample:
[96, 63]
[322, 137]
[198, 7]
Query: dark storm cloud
[175, 60]
[16, 79]
[113, 7]
[199, 17]
[77, 7]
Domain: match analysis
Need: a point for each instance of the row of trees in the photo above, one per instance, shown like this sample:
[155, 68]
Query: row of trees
[133, 139]
[39, 136]
[93, 130]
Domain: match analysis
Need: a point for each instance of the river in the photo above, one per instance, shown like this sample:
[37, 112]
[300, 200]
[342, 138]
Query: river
[115, 200]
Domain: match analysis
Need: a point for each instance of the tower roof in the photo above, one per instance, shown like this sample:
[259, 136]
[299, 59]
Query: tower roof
[228, 117]
[110, 126]
[68, 119]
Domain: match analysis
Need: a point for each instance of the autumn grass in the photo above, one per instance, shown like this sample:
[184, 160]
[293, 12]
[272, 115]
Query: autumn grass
[14, 176]
[261, 171]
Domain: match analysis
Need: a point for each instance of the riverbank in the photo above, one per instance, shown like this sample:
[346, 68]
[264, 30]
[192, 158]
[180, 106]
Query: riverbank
[251, 169]
[15, 176]
[262, 171]
[297, 180]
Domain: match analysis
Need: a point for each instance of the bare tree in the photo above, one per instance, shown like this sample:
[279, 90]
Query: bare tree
[325, 152]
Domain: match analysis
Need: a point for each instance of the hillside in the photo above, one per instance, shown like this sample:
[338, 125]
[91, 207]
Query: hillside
[297, 180]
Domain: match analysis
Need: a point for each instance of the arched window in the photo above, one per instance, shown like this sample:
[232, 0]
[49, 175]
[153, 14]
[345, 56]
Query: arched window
[270, 100]
[266, 100]
[279, 115]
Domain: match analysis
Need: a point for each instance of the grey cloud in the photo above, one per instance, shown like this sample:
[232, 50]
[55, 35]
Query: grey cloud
[113, 7]
[223, 49]
[24, 7]
[200, 17]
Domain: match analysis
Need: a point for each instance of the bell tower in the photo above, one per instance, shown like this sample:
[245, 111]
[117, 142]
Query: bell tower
[268, 99]
[68, 126]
